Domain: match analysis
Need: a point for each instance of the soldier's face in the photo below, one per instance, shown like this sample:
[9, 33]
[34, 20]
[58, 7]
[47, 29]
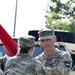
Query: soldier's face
[48, 44]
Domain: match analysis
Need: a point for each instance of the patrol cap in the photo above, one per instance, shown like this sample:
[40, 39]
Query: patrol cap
[46, 33]
[26, 41]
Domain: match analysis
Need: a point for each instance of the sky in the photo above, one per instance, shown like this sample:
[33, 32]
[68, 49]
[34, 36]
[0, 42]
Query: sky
[30, 16]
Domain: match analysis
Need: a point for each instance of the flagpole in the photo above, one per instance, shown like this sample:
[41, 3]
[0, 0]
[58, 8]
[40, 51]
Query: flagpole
[15, 18]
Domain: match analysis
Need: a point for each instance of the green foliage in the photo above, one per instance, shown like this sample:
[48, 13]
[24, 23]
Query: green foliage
[72, 25]
[58, 11]
[62, 25]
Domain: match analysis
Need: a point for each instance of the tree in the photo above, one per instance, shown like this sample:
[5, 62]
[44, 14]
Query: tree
[62, 25]
[58, 11]
[72, 25]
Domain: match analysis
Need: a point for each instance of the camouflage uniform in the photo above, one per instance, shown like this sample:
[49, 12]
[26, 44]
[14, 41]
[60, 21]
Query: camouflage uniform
[1, 72]
[23, 63]
[57, 64]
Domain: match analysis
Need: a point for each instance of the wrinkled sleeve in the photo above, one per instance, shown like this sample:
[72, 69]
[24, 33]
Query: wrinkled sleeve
[66, 64]
[39, 68]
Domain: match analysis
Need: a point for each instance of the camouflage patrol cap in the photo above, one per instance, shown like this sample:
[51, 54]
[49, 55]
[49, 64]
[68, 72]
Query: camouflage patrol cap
[46, 33]
[27, 41]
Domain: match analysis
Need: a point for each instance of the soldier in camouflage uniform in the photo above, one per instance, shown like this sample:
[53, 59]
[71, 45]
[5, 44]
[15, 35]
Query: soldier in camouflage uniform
[23, 63]
[57, 62]
[3, 60]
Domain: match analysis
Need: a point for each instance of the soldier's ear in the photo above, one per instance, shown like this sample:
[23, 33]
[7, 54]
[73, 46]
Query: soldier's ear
[32, 48]
[18, 48]
[31, 51]
[55, 38]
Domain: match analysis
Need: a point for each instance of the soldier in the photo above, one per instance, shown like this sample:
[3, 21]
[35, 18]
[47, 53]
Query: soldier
[4, 58]
[57, 62]
[23, 63]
